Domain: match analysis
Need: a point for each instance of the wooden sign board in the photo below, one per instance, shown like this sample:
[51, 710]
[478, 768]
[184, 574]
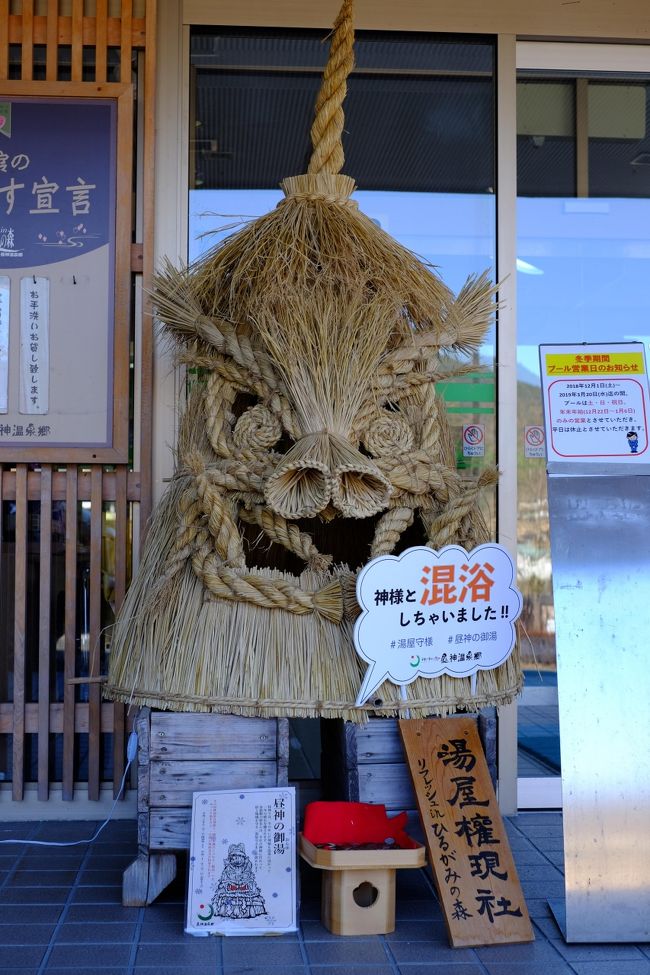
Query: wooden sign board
[475, 875]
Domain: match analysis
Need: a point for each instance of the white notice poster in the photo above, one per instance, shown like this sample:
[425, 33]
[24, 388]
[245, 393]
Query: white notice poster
[242, 872]
[595, 403]
[34, 345]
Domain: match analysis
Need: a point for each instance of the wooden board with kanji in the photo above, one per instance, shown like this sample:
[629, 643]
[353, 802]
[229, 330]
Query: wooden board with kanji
[474, 871]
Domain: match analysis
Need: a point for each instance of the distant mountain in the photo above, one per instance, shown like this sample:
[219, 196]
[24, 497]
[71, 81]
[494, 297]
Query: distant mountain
[526, 376]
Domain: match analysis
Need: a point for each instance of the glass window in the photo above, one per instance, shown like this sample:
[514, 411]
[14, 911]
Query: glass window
[583, 247]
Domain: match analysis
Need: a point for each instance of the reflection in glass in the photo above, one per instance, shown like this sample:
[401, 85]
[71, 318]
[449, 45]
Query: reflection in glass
[582, 277]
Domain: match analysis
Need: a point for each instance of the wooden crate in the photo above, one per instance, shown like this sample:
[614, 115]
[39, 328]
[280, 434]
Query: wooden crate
[182, 753]
[366, 763]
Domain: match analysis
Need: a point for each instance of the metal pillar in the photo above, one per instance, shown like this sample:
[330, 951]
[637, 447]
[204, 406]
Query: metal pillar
[600, 547]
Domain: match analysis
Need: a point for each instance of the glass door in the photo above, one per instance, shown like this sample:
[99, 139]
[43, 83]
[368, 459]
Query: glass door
[583, 263]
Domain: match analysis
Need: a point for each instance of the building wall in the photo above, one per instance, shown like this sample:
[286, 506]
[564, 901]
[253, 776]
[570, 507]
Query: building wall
[612, 26]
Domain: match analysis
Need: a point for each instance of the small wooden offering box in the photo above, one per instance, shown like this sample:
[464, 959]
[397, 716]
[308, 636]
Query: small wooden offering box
[358, 886]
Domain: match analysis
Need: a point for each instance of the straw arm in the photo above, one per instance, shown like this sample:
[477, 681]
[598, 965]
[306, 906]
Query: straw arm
[420, 476]
[222, 583]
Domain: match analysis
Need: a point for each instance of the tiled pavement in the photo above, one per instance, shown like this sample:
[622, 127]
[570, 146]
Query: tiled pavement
[60, 911]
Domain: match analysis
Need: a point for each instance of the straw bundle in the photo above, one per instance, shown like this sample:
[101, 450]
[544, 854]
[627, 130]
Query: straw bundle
[314, 442]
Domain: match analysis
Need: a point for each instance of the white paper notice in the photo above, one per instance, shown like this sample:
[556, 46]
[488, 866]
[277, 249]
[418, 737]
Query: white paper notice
[596, 403]
[5, 295]
[34, 345]
[242, 872]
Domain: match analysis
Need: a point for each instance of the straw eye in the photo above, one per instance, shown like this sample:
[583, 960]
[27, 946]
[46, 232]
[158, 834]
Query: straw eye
[389, 434]
[257, 428]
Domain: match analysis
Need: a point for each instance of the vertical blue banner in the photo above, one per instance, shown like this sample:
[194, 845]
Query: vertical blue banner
[57, 179]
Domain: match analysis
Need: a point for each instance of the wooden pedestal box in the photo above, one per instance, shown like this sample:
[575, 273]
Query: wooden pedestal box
[182, 753]
[366, 763]
[358, 886]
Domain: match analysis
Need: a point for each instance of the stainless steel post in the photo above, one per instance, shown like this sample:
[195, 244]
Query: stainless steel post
[600, 548]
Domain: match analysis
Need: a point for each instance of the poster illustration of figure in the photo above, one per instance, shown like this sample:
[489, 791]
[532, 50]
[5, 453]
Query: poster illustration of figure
[237, 894]
[242, 866]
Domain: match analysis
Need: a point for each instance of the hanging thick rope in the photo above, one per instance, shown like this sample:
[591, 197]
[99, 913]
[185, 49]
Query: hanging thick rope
[327, 128]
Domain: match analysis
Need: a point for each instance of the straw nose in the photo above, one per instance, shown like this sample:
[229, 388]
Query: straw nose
[323, 467]
[301, 485]
[359, 489]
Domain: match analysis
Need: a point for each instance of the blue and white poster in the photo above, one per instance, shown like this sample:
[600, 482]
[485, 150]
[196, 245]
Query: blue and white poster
[58, 179]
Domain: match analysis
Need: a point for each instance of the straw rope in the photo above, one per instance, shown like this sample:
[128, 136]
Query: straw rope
[257, 429]
[221, 514]
[445, 529]
[327, 128]
[229, 371]
[223, 583]
[389, 530]
[219, 399]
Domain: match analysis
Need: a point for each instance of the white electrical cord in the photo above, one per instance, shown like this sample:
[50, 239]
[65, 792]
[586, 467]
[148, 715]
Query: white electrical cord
[131, 752]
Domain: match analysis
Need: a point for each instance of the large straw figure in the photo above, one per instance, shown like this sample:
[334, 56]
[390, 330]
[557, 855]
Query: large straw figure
[314, 442]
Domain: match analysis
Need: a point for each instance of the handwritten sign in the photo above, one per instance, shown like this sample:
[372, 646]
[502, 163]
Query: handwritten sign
[595, 402]
[242, 872]
[34, 344]
[426, 613]
[472, 864]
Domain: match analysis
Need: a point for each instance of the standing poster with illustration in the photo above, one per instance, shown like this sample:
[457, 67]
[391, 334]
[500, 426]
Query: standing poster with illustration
[242, 876]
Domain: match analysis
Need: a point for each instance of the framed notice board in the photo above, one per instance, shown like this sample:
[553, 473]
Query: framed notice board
[65, 245]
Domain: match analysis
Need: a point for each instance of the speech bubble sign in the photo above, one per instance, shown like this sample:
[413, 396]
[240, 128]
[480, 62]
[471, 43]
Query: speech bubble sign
[425, 613]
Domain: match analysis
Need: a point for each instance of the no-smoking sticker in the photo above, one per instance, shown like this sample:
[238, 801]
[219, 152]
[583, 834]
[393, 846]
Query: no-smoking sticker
[534, 444]
[473, 440]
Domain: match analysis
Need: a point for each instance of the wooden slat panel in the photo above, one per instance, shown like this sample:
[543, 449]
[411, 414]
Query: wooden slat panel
[44, 622]
[121, 537]
[27, 46]
[68, 26]
[4, 39]
[56, 718]
[27, 28]
[94, 689]
[52, 51]
[20, 623]
[172, 783]
[76, 40]
[70, 633]
[126, 41]
[101, 41]
[212, 736]
[59, 486]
